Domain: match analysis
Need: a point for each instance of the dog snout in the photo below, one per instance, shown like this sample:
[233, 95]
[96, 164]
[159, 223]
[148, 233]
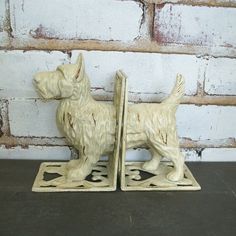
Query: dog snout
[37, 77]
[38, 82]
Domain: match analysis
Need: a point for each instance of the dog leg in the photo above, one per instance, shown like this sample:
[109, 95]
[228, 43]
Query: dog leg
[177, 173]
[79, 169]
[173, 153]
[73, 163]
[154, 162]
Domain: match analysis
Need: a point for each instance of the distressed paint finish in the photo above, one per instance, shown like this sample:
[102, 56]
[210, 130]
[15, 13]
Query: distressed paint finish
[219, 3]
[221, 77]
[76, 19]
[190, 25]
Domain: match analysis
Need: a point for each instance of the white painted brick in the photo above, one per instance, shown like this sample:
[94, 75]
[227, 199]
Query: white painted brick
[221, 76]
[36, 118]
[149, 74]
[3, 34]
[2, 16]
[212, 26]
[219, 154]
[33, 118]
[138, 154]
[141, 154]
[18, 68]
[35, 153]
[103, 19]
[206, 122]
[64, 153]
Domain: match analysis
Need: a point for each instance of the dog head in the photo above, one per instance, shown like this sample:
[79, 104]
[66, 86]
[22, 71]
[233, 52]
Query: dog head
[60, 83]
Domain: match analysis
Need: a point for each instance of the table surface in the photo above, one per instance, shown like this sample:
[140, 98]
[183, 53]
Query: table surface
[211, 211]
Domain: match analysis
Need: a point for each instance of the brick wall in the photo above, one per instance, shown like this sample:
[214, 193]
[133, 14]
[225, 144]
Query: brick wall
[150, 40]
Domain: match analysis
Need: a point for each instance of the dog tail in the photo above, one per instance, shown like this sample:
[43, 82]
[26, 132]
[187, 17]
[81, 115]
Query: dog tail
[177, 92]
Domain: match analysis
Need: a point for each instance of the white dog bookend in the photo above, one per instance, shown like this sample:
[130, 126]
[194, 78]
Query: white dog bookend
[94, 129]
[153, 126]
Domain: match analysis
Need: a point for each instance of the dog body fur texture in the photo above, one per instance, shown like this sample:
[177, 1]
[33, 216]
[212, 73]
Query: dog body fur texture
[90, 125]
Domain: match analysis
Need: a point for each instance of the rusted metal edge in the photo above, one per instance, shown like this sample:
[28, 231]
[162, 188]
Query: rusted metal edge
[139, 45]
[24, 142]
[207, 3]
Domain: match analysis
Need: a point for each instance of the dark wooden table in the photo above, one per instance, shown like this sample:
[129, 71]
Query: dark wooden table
[211, 211]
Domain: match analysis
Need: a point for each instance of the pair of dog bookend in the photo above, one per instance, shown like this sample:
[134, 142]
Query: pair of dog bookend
[98, 129]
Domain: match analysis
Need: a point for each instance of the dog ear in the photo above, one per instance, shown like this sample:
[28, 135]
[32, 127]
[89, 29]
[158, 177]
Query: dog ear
[65, 87]
[80, 71]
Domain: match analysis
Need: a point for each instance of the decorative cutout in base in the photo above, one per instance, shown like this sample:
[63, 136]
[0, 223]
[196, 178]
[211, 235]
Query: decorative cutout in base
[138, 179]
[51, 178]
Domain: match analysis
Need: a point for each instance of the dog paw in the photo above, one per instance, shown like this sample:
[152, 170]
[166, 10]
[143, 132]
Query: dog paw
[151, 165]
[175, 176]
[75, 174]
